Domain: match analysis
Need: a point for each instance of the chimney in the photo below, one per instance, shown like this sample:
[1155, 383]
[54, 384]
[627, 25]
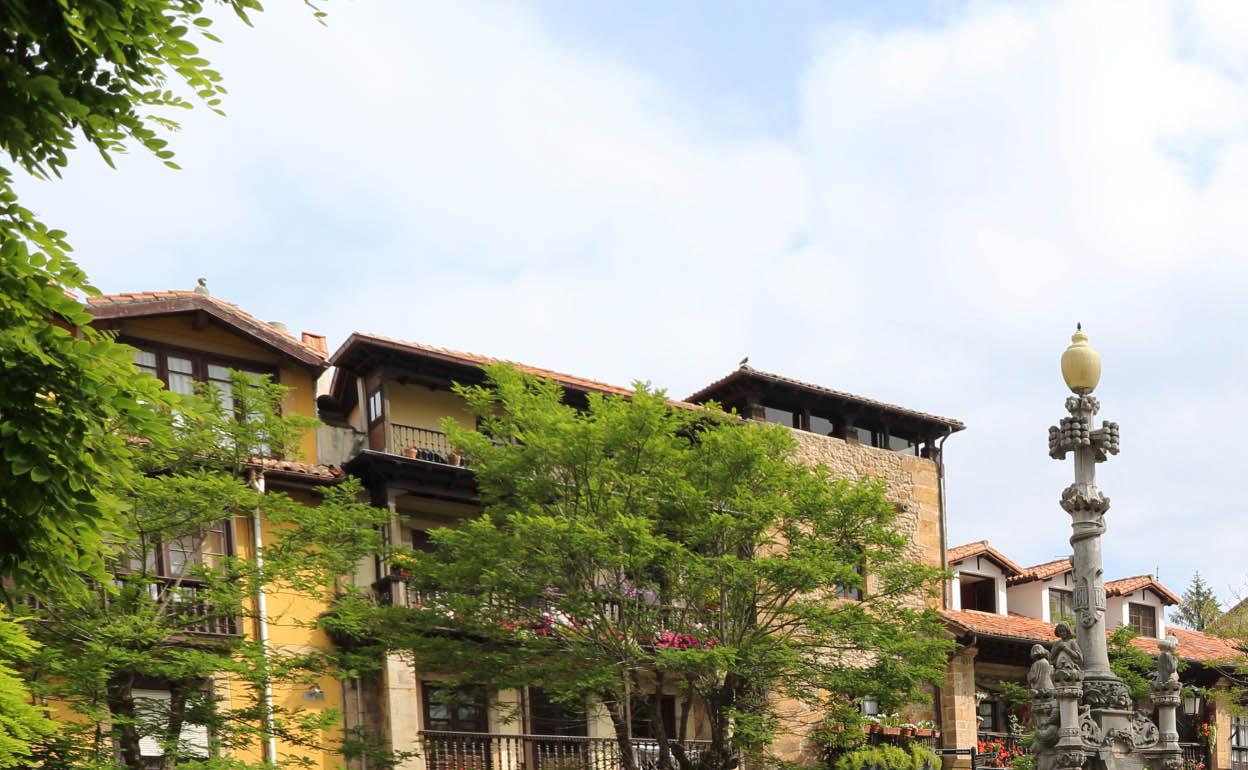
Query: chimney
[281, 327]
[316, 342]
[201, 286]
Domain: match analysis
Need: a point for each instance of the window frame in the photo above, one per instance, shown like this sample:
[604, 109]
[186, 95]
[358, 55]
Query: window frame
[199, 359]
[1067, 600]
[162, 560]
[480, 700]
[1131, 608]
[374, 417]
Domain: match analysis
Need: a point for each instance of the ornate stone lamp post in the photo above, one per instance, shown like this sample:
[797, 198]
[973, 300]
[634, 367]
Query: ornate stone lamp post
[1084, 713]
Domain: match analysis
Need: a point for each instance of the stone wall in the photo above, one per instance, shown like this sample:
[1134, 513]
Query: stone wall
[913, 485]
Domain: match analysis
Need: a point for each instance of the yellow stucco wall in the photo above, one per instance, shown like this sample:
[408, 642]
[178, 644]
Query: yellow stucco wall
[178, 331]
[290, 616]
[422, 407]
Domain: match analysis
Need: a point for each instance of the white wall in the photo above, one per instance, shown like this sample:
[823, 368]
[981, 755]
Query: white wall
[1030, 599]
[1118, 611]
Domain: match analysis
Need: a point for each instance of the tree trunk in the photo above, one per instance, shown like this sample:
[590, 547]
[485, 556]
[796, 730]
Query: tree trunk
[654, 706]
[619, 720]
[178, 694]
[120, 696]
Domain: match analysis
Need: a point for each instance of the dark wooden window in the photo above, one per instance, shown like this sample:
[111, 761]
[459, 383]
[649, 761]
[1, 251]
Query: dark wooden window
[551, 718]
[642, 724]
[1239, 742]
[979, 595]
[987, 711]
[422, 542]
[180, 369]
[177, 558]
[1143, 618]
[453, 709]
[1061, 605]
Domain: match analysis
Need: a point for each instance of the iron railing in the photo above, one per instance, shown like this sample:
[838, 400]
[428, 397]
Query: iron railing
[421, 444]
[1195, 755]
[447, 750]
[197, 615]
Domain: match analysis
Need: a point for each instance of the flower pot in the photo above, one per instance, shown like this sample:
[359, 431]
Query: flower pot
[892, 730]
[906, 732]
[871, 728]
[410, 452]
[923, 732]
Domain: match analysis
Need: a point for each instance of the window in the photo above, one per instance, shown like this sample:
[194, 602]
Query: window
[1061, 605]
[455, 709]
[986, 711]
[978, 594]
[152, 707]
[821, 425]
[643, 726]
[551, 718]
[422, 542]
[374, 406]
[779, 416]
[1239, 742]
[1143, 618]
[854, 592]
[180, 370]
[206, 548]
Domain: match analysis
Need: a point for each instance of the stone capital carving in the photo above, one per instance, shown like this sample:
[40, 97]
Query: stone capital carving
[1076, 499]
[1106, 694]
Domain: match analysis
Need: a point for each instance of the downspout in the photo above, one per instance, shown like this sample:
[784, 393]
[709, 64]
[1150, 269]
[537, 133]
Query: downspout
[262, 613]
[945, 599]
[944, 562]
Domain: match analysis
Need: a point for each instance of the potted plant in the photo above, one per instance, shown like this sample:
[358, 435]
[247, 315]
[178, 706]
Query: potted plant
[454, 457]
[925, 729]
[411, 451]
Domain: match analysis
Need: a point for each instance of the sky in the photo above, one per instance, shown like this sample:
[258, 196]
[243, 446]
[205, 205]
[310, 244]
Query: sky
[911, 201]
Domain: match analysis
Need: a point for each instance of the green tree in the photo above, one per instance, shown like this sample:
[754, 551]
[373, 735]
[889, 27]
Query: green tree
[1131, 664]
[1200, 606]
[69, 398]
[177, 601]
[632, 548]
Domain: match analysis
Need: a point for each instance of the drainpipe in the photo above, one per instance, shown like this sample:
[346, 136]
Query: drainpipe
[944, 519]
[262, 612]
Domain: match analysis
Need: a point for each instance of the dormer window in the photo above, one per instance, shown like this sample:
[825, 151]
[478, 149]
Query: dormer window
[1143, 618]
[978, 593]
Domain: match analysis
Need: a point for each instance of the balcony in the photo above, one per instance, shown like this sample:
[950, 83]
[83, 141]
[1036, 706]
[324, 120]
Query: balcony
[420, 444]
[197, 616]
[444, 750]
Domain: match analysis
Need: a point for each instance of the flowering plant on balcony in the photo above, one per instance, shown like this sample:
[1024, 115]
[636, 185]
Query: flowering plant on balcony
[669, 640]
[998, 753]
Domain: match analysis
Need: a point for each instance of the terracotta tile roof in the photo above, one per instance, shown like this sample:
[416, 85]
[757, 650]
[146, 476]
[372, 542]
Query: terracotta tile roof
[295, 468]
[474, 359]
[1193, 645]
[1040, 571]
[981, 547]
[1196, 646]
[131, 304]
[746, 371]
[1012, 626]
[1130, 585]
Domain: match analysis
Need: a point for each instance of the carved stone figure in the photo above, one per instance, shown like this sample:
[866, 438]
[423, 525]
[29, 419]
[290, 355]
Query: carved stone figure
[1089, 730]
[1144, 734]
[1167, 676]
[1066, 658]
[1040, 677]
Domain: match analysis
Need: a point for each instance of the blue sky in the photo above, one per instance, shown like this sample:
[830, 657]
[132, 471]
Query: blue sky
[912, 201]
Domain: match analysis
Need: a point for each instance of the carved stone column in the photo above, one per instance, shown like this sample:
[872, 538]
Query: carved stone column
[1167, 754]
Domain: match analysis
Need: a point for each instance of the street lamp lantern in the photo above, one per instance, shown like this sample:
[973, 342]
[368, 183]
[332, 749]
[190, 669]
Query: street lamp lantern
[1081, 364]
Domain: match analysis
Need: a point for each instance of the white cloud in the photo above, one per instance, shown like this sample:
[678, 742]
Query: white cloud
[955, 198]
